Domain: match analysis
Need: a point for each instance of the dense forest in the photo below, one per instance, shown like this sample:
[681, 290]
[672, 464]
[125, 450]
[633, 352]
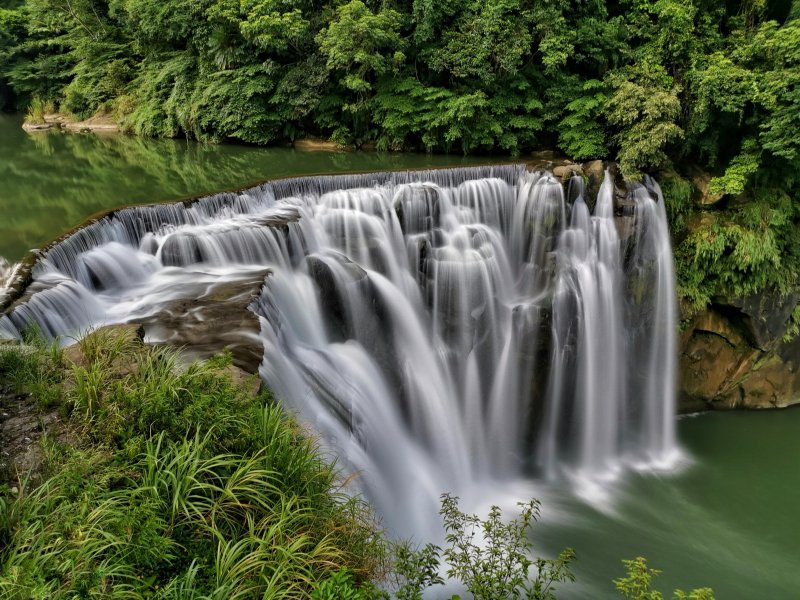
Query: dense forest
[653, 84]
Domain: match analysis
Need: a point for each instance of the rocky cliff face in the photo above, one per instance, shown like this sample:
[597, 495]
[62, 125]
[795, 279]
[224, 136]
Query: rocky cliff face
[733, 355]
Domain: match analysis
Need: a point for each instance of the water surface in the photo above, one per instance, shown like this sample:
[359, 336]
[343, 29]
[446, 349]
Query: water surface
[52, 181]
[728, 520]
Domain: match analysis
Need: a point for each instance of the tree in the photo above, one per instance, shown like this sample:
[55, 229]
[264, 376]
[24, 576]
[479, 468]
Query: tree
[359, 47]
[644, 107]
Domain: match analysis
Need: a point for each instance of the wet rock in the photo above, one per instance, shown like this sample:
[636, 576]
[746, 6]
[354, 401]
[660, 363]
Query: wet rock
[547, 160]
[566, 171]
[334, 304]
[626, 227]
[712, 359]
[35, 127]
[213, 319]
[544, 155]
[101, 122]
[318, 144]
[594, 172]
[703, 195]
[180, 250]
[763, 317]
[594, 169]
[732, 356]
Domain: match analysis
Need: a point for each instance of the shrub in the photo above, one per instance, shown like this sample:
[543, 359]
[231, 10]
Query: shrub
[638, 584]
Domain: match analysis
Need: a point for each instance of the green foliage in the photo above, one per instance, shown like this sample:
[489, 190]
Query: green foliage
[341, 586]
[646, 81]
[37, 109]
[493, 559]
[12, 30]
[360, 43]
[644, 107]
[638, 584]
[225, 498]
[36, 367]
[360, 46]
[750, 248]
[273, 25]
[581, 133]
[677, 200]
[739, 171]
[489, 41]
[158, 105]
[416, 570]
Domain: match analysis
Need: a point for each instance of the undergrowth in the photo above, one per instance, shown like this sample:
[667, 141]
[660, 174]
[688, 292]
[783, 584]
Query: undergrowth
[37, 109]
[181, 485]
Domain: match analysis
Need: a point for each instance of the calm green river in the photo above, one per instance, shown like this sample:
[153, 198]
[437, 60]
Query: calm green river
[729, 519]
[50, 182]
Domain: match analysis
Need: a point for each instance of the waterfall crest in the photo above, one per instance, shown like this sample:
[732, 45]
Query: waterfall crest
[440, 330]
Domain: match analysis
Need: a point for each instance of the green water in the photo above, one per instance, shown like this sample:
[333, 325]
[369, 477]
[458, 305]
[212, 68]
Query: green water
[50, 182]
[728, 520]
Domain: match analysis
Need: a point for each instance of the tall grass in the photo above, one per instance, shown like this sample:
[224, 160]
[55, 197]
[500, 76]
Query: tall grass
[35, 367]
[179, 486]
[37, 110]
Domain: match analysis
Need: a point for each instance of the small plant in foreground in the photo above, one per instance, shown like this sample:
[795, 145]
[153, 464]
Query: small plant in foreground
[493, 559]
[341, 586]
[638, 584]
[416, 570]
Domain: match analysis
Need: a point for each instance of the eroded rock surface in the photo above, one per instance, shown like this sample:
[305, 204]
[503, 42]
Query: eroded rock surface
[213, 320]
[733, 356]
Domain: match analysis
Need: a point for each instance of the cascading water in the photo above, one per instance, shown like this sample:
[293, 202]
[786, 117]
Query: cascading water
[442, 330]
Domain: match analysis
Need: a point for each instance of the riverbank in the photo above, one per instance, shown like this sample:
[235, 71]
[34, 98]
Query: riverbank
[100, 123]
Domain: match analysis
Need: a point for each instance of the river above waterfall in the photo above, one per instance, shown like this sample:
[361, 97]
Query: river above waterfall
[724, 519]
[51, 181]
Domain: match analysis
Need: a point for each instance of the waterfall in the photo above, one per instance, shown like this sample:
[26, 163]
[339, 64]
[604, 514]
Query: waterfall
[441, 330]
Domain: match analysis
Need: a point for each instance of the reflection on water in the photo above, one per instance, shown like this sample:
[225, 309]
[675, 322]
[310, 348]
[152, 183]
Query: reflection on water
[50, 182]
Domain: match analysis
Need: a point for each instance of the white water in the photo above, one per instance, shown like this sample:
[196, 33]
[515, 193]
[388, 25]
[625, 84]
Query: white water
[8, 272]
[443, 331]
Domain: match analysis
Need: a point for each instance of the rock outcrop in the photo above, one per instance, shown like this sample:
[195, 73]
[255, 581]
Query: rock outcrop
[98, 123]
[733, 355]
